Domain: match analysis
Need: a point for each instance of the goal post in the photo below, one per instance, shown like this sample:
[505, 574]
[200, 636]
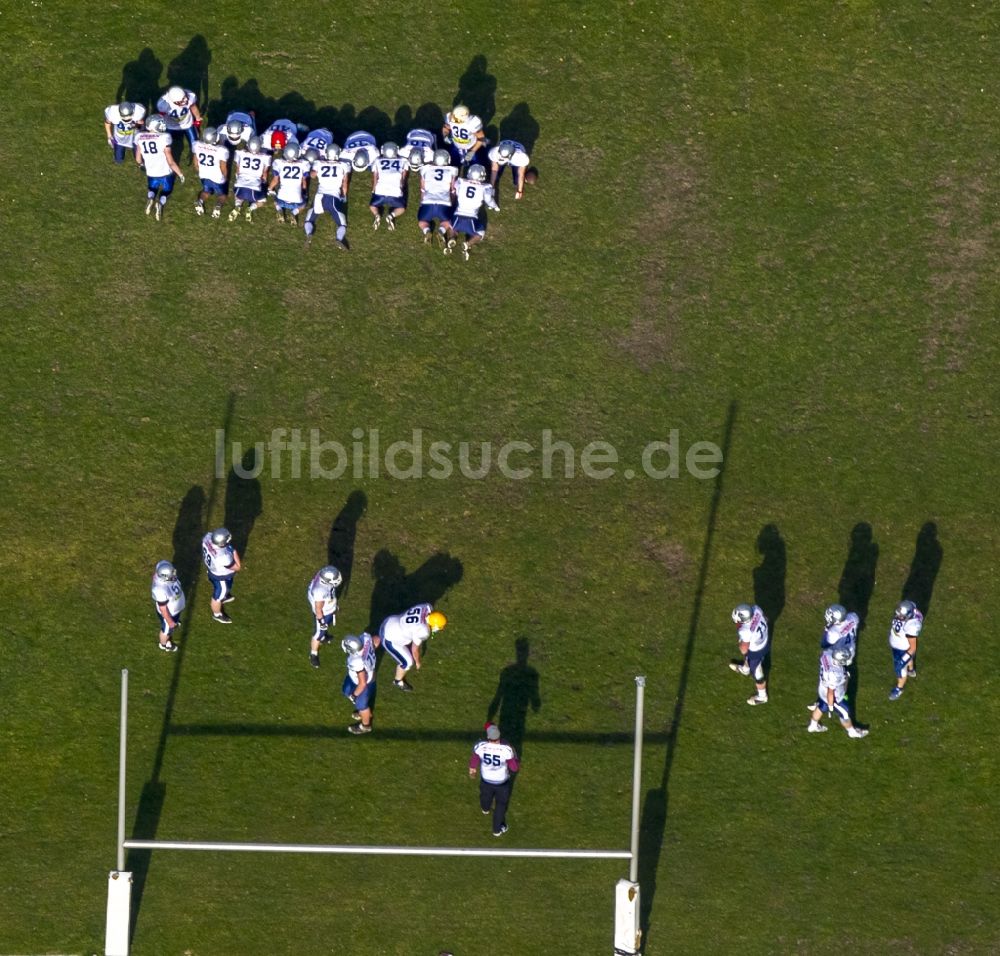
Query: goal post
[627, 932]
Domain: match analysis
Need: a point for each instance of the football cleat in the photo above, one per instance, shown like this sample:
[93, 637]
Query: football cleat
[222, 618]
[330, 575]
[376, 222]
[465, 251]
[248, 215]
[165, 571]
[477, 173]
[356, 715]
[403, 685]
[221, 537]
[228, 599]
[818, 728]
[342, 244]
[857, 733]
[390, 222]
[501, 831]
[834, 614]
[149, 206]
[279, 214]
[158, 212]
[314, 659]
[199, 208]
[449, 246]
[358, 729]
[742, 614]
[169, 647]
[895, 693]
[743, 669]
[756, 701]
[216, 212]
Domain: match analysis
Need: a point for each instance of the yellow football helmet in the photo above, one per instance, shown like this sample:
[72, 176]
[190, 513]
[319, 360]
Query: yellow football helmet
[460, 113]
[436, 621]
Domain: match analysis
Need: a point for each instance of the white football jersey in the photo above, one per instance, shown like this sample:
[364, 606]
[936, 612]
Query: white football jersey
[356, 141]
[320, 591]
[362, 661]
[153, 148]
[519, 158]
[389, 175]
[754, 632]
[831, 674]
[169, 593]
[410, 627]
[463, 135]
[290, 173]
[123, 130]
[435, 184]
[285, 126]
[901, 631]
[211, 160]
[494, 756]
[470, 196]
[251, 168]
[318, 140]
[331, 177]
[848, 628]
[219, 561]
[178, 116]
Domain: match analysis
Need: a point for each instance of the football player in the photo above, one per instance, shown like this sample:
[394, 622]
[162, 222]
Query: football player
[753, 637]
[471, 195]
[463, 132]
[418, 139]
[841, 625]
[389, 175]
[211, 159]
[359, 684]
[907, 622]
[289, 134]
[357, 141]
[832, 691]
[509, 152]
[318, 140]
[322, 597]
[238, 129]
[168, 597]
[332, 177]
[437, 182]
[180, 107]
[121, 121]
[222, 561]
[403, 634]
[153, 152]
[289, 177]
[252, 165]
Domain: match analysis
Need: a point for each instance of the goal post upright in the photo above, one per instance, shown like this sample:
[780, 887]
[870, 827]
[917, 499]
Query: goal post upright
[628, 933]
[117, 928]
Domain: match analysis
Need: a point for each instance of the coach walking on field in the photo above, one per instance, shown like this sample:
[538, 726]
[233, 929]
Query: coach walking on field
[499, 761]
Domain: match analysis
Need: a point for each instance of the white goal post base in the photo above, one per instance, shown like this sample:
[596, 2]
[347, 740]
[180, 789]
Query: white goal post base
[628, 935]
[116, 931]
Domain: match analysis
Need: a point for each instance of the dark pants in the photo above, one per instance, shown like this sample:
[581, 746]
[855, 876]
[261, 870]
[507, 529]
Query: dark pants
[496, 795]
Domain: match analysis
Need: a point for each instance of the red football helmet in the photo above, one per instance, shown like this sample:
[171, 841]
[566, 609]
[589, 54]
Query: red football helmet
[279, 140]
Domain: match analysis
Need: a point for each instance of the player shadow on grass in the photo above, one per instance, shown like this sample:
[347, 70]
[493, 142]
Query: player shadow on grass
[395, 590]
[652, 823]
[927, 557]
[343, 534]
[517, 691]
[188, 531]
[769, 582]
[189, 69]
[857, 584]
[244, 502]
[477, 89]
[140, 82]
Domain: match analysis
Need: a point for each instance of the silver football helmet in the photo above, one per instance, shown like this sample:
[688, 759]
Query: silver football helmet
[332, 152]
[352, 644]
[742, 613]
[234, 130]
[361, 159]
[291, 152]
[254, 144]
[905, 610]
[156, 123]
[442, 157]
[416, 159]
[176, 95]
[165, 572]
[330, 575]
[843, 653]
[126, 110]
[221, 537]
[834, 614]
[390, 150]
[505, 151]
[210, 135]
[477, 173]
[312, 154]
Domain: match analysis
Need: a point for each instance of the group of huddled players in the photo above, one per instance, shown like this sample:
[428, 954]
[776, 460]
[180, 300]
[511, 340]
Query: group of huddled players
[284, 160]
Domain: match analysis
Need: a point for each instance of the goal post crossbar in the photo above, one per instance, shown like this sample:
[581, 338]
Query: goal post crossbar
[375, 850]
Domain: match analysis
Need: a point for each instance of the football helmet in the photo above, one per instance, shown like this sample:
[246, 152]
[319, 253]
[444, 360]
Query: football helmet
[843, 653]
[505, 150]
[330, 575]
[126, 110]
[352, 644]
[234, 130]
[221, 537]
[156, 123]
[905, 610]
[177, 96]
[165, 571]
[742, 614]
[416, 158]
[361, 159]
[210, 135]
[390, 150]
[460, 113]
[279, 139]
[442, 157]
[291, 152]
[436, 621]
[834, 614]
[254, 144]
[477, 173]
[332, 152]
[312, 154]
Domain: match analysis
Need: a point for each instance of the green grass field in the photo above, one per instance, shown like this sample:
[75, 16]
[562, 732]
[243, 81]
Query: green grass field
[770, 227]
